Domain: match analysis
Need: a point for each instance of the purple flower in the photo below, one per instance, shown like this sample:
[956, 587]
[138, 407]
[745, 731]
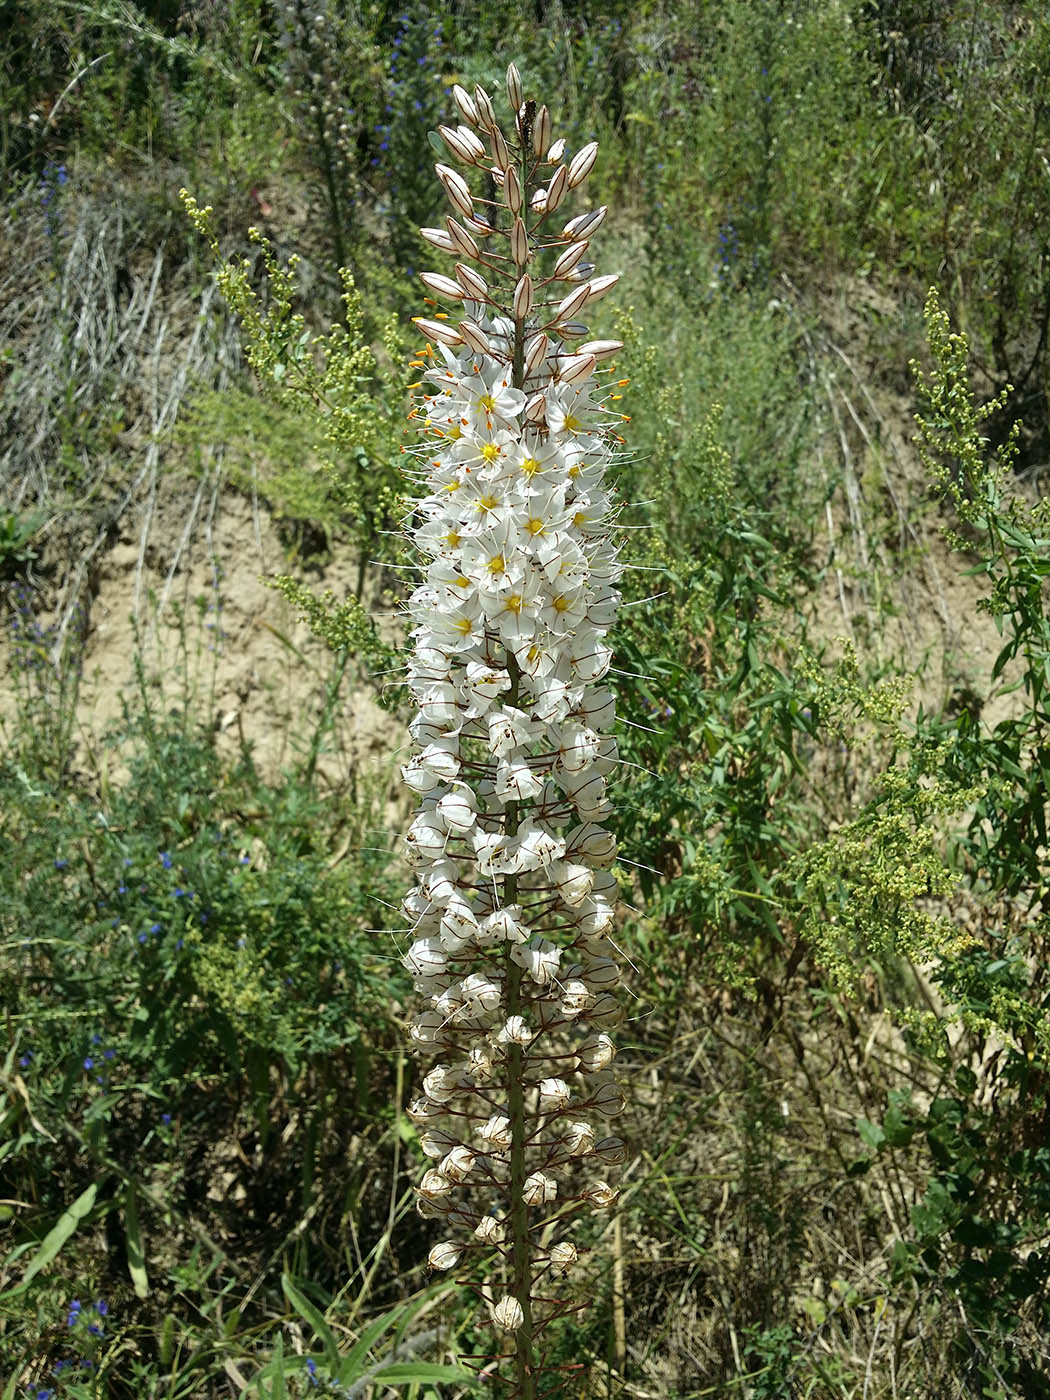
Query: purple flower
[89, 1063]
[311, 1366]
[165, 860]
[74, 1313]
[165, 1118]
[24, 1060]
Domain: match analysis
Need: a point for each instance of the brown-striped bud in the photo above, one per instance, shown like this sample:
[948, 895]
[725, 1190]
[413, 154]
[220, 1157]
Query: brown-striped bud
[571, 303]
[437, 330]
[512, 191]
[556, 189]
[601, 349]
[598, 286]
[438, 238]
[536, 352]
[465, 103]
[523, 297]
[473, 283]
[462, 242]
[442, 286]
[582, 164]
[556, 152]
[500, 154]
[585, 224]
[484, 105]
[541, 130]
[456, 188]
[515, 93]
[575, 368]
[519, 243]
[457, 146]
[567, 261]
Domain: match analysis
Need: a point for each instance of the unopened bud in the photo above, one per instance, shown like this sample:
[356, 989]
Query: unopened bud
[456, 188]
[582, 164]
[465, 103]
[556, 151]
[541, 130]
[437, 330]
[536, 352]
[472, 335]
[568, 260]
[556, 189]
[523, 297]
[500, 154]
[442, 286]
[519, 243]
[512, 191]
[474, 284]
[515, 94]
[484, 105]
[584, 225]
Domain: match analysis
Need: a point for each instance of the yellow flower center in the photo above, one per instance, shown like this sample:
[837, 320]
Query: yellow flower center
[462, 582]
[464, 625]
[534, 526]
[490, 452]
[455, 432]
[487, 502]
[561, 603]
[514, 603]
[530, 466]
[579, 520]
[572, 423]
[487, 402]
[451, 539]
[496, 564]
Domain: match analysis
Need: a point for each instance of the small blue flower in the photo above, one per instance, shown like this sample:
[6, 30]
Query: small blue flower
[165, 860]
[61, 864]
[102, 1308]
[74, 1313]
[25, 1060]
[311, 1366]
[154, 928]
[108, 1054]
[165, 1118]
[89, 1063]
[142, 938]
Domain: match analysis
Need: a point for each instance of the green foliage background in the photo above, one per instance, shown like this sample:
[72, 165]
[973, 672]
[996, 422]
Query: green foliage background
[835, 872]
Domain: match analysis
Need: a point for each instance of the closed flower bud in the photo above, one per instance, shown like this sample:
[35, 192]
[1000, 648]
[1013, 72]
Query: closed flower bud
[438, 238]
[500, 154]
[435, 330]
[442, 286]
[512, 191]
[515, 94]
[472, 335]
[598, 286]
[601, 349]
[456, 188]
[571, 303]
[575, 368]
[462, 242]
[567, 261]
[523, 297]
[456, 145]
[541, 130]
[473, 283]
[582, 164]
[484, 105]
[556, 189]
[519, 243]
[585, 225]
[465, 103]
[535, 352]
[556, 151]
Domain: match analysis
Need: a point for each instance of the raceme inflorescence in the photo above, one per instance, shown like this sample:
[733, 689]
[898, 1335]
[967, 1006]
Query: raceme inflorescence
[513, 904]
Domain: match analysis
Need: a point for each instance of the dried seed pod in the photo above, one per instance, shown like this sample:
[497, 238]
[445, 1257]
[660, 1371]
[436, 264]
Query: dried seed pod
[444, 1256]
[508, 1314]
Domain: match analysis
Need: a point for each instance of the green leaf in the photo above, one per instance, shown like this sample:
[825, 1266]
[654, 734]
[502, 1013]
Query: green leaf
[56, 1237]
[405, 1372]
[312, 1315]
[136, 1255]
[871, 1133]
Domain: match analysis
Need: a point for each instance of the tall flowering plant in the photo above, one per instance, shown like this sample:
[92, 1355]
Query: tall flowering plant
[514, 897]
